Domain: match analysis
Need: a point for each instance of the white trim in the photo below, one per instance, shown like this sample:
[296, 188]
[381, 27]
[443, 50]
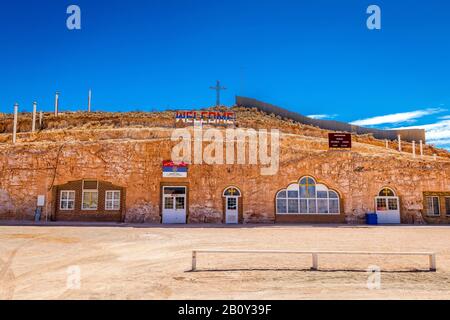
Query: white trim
[432, 202]
[61, 200]
[119, 200]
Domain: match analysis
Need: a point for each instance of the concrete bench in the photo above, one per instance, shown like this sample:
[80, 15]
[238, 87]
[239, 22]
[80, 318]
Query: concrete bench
[315, 255]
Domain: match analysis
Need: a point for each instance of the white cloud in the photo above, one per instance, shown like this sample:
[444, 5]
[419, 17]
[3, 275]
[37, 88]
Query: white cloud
[436, 133]
[322, 116]
[440, 142]
[397, 117]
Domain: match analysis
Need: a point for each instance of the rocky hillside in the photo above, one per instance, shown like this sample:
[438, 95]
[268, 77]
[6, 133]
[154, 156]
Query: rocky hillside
[84, 126]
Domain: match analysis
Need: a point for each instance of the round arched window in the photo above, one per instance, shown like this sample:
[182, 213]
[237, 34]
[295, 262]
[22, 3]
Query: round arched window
[307, 187]
[386, 192]
[232, 192]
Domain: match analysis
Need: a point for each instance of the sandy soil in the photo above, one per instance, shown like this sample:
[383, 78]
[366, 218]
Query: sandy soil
[154, 263]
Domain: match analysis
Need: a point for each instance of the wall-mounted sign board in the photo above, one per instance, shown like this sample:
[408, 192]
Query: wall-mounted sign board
[339, 140]
[174, 170]
[41, 201]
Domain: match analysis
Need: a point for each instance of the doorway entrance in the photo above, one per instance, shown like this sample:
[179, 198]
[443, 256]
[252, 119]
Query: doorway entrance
[174, 205]
[387, 206]
[232, 196]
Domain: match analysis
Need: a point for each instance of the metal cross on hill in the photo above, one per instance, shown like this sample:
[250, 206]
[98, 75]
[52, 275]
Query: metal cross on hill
[218, 88]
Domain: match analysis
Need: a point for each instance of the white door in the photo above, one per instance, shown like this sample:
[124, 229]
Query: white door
[388, 210]
[232, 210]
[174, 205]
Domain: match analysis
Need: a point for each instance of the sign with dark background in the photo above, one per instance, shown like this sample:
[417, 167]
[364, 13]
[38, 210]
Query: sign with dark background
[339, 140]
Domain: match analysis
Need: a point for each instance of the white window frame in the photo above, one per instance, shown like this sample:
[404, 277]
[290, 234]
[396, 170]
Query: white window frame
[386, 201]
[82, 200]
[112, 200]
[432, 203]
[315, 199]
[184, 195]
[338, 199]
[231, 199]
[277, 198]
[61, 200]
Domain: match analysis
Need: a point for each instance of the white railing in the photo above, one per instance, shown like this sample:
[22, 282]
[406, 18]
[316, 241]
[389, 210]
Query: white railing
[315, 255]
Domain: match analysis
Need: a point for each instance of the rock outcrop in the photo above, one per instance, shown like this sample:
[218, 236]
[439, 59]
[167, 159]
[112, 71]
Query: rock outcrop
[114, 149]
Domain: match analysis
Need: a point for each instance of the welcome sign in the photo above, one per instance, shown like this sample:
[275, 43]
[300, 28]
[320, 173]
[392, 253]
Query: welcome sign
[206, 117]
[174, 170]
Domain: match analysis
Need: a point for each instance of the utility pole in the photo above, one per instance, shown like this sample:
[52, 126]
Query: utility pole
[41, 118]
[56, 103]
[218, 88]
[16, 111]
[33, 121]
[89, 100]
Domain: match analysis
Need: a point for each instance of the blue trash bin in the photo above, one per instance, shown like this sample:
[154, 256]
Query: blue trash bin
[371, 219]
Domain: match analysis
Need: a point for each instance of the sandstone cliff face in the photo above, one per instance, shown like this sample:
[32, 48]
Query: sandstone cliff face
[132, 157]
[82, 126]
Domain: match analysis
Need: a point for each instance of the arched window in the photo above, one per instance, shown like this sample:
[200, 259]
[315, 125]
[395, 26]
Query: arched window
[307, 197]
[386, 192]
[307, 187]
[232, 192]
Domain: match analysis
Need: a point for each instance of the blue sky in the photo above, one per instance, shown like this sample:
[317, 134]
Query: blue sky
[314, 57]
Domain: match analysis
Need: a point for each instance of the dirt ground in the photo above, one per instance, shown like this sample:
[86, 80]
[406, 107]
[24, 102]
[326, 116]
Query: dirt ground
[136, 262]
